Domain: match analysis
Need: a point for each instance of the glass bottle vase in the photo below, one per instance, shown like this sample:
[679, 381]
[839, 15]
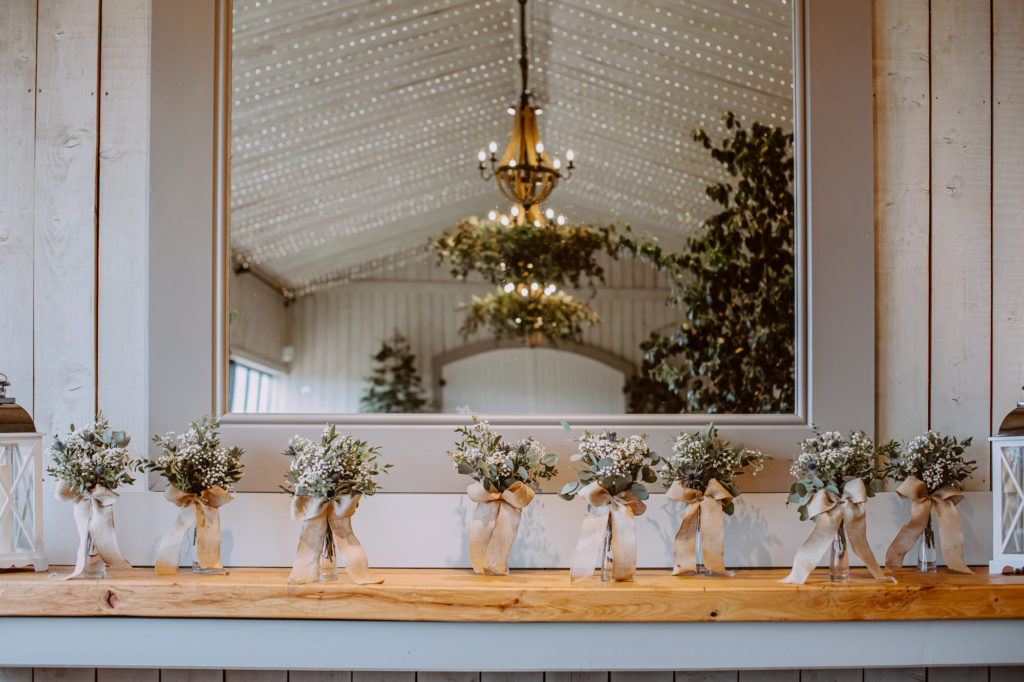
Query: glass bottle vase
[839, 559]
[95, 566]
[607, 560]
[196, 567]
[926, 550]
[327, 564]
[701, 568]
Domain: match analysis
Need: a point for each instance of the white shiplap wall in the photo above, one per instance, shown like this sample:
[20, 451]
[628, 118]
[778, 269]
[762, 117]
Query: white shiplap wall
[336, 331]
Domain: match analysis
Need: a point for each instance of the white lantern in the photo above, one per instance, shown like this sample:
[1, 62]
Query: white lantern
[21, 486]
[1008, 494]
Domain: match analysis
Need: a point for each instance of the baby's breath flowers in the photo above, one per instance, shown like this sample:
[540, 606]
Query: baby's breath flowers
[618, 464]
[194, 461]
[699, 457]
[497, 465]
[829, 461]
[337, 465]
[935, 459]
[92, 456]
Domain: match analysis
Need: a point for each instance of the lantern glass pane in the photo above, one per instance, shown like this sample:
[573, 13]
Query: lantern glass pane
[1013, 498]
[16, 500]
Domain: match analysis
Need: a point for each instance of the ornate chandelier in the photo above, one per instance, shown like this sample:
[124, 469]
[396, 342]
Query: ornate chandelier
[525, 174]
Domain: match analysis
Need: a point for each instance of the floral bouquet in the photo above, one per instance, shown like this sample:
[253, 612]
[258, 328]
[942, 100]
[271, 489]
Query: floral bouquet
[931, 469]
[327, 480]
[506, 476]
[700, 473]
[91, 463]
[201, 474]
[836, 476]
[612, 481]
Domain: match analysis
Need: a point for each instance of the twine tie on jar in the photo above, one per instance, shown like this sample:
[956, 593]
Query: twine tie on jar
[316, 513]
[622, 508]
[495, 525]
[703, 510]
[951, 536]
[202, 511]
[94, 515]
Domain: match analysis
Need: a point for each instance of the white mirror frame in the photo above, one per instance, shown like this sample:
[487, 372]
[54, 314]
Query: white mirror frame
[189, 249]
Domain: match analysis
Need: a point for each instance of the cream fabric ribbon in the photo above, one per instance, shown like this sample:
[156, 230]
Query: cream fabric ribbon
[622, 508]
[316, 513]
[495, 525]
[831, 511]
[201, 511]
[703, 510]
[944, 501]
[94, 515]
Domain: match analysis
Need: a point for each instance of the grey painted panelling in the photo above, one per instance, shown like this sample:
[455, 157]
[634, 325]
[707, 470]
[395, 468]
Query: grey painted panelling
[1004, 674]
[447, 677]
[319, 676]
[964, 674]
[511, 677]
[383, 677]
[127, 675]
[255, 676]
[64, 675]
[576, 677]
[191, 675]
[706, 676]
[15, 674]
[646, 676]
[895, 675]
[769, 676]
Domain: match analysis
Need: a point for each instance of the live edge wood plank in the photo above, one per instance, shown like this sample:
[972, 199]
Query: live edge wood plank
[528, 595]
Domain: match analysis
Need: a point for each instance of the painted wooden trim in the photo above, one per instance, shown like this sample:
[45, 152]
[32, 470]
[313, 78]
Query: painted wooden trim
[362, 645]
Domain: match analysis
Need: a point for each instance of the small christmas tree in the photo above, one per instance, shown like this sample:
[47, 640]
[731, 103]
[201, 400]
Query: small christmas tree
[395, 385]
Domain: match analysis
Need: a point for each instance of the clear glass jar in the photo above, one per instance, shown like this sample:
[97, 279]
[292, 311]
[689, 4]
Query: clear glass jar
[839, 560]
[196, 568]
[327, 565]
[701, 568]
[926, 550]
[607, 560]
[95, 566]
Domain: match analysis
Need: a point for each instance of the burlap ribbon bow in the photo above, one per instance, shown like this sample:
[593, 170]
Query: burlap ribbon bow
[495, 525]
[94, 515]
[316, 513]
[944, 501]
[831, 511]
[622, 508]
[704, 511]
[201, 511]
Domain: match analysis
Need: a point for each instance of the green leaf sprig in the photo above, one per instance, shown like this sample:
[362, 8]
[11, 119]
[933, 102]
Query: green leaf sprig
[91, 456]
[618, 464]
[194, 461]
[482, 455]
[337, 465]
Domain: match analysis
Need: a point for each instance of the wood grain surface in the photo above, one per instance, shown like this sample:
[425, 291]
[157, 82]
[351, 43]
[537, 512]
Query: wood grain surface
[528, 595]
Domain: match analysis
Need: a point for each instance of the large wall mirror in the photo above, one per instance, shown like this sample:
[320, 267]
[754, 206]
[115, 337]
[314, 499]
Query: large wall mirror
[355, 129]
[368, 267]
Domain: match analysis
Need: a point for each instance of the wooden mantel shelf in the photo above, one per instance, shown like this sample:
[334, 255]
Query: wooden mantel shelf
[524, 595]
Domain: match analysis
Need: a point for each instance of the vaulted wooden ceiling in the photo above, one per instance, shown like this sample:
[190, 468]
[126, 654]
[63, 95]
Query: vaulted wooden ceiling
[356, 124]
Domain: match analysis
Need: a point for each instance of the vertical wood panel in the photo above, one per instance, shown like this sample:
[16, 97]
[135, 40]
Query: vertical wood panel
[832, 675]
[123, 215]
[512, 677]
[901, 216]
[1006, 674]
[895, 675]
[17, 164]
[1007, 206]
[961, 224]
[64, 675]
[964, 674]
[185, 675]
[447, 677]
[706, 676]
[127, 675]
[642, 676]
[16, 674]
[255, 676]
[65, 203]
[319, 676]
[769, 676]
[372, 676]
[576, 677]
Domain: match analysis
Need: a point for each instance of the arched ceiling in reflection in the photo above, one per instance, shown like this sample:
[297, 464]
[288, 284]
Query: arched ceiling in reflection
[355, 125]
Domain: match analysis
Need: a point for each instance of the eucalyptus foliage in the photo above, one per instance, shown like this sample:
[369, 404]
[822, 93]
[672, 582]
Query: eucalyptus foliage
[522, 254]
[735, 278]
[395, 385]
[194, 461]
[542, 260]
[91, 456]
[482, 455]
[701, 456]
[533, 319]
[935, 459]
[618, 464]
[829, 460]
[337, 465]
